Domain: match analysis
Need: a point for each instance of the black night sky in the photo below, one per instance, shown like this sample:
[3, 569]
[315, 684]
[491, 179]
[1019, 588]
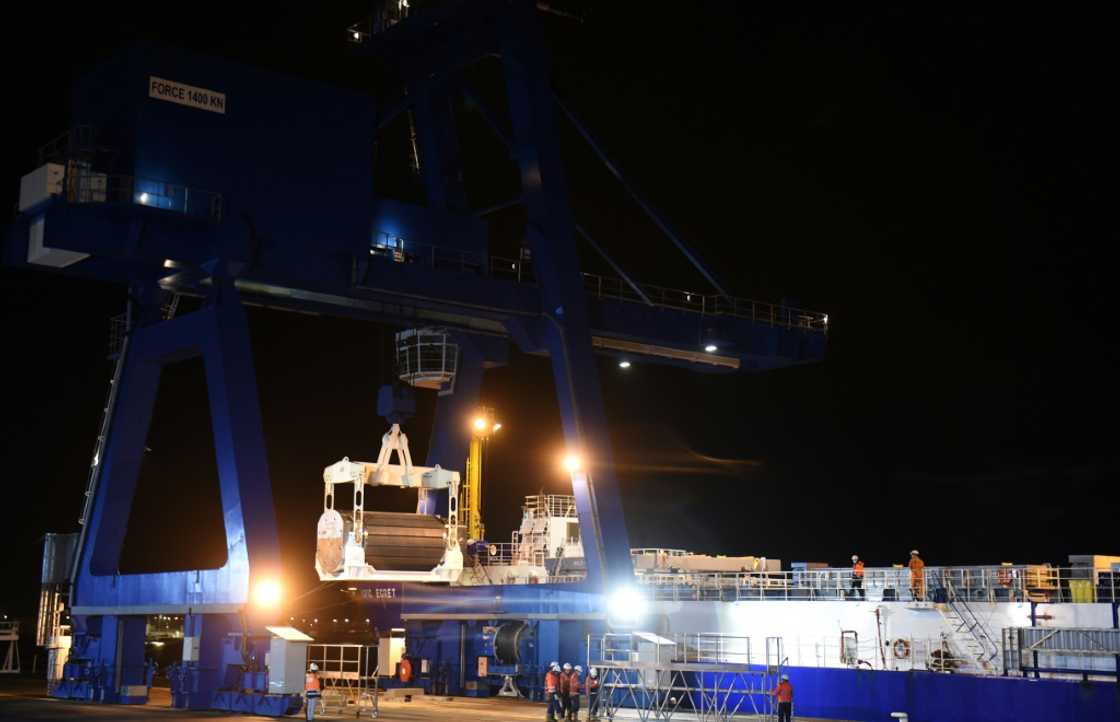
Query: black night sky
[941, 183]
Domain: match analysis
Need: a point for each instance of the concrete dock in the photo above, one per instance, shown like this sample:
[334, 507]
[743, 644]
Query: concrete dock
[25, 699]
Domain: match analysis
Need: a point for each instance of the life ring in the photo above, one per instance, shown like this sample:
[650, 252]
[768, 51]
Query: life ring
[405, 671]
[1003, 575]
[901, 648]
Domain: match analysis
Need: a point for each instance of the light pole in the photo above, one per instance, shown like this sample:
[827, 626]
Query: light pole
[483, 426]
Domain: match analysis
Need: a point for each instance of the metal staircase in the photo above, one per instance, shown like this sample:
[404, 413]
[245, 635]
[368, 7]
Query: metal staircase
[969, 636]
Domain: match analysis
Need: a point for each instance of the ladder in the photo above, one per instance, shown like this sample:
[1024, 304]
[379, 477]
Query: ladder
[970, 637]
[118, 344]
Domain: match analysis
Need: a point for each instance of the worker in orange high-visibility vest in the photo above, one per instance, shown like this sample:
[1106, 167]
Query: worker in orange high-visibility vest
[857, 577]
[313, 689]
[565, 694]
[552, 691]
[574, 693]
[592, 694]
[917, 576]
[784, 695]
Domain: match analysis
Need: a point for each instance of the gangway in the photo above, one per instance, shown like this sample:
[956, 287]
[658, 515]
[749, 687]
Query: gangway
[690, 677]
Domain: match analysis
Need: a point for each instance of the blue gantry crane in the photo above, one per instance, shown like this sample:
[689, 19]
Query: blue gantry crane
[187, 175]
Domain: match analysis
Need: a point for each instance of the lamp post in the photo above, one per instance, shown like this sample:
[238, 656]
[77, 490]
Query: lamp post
[483, 426]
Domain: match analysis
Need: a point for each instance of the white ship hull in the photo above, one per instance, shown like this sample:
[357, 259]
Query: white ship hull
[811, 631]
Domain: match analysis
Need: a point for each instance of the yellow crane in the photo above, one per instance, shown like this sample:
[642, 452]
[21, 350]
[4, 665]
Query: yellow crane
[483, 426]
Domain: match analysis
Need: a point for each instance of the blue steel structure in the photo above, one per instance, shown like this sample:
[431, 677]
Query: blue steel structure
[289, 220]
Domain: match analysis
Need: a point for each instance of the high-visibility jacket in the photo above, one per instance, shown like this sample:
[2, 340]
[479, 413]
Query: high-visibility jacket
[566, 682]
[311, 684]
[784, 692]
[857, 570]
[592, 684]
[551, 682]
[916, 568]
[573, 683]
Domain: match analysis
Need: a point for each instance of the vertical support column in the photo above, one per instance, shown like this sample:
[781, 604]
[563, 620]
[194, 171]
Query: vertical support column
[130, 684]
[1034, 655]
[1116, 625]
[451, 430]
[439, 145]
[551, 235]
[203, 639]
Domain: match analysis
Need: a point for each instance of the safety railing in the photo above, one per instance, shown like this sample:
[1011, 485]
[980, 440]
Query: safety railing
[1040, 583]
[1061, 652]
[87, 186]
[713, 648]
[550, 505]
[502, 554]
[615, 289]
[442, 258]
[348, 673]
[426, 357]
[398, 250]
[76, 141]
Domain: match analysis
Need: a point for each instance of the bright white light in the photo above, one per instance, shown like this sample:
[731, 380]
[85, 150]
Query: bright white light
[826, 318]
[357, 35]
[267, 593]
[479, 424]
[157, 644]
[711, 348]
[624, 364]
[495, 427]
[626, 605]
[572, 463]
[144, 198]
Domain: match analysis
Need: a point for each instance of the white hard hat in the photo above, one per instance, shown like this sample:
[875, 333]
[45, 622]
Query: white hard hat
[855, 557]
[593, 672]
[567, 665]
[785, 677]
[914, 551]
[578, 668]
[314, 667]
[555, 666]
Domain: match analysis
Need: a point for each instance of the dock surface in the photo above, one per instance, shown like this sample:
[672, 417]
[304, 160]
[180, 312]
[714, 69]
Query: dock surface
[25, 699]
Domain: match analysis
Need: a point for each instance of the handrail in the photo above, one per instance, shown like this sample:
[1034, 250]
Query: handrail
[1002, 583]
[610, 288]
[87, 186]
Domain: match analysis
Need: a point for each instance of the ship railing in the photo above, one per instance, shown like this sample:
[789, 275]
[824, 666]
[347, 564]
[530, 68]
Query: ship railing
[997, 583]
[901, 654]
[540, 506]
[508, 554]
[1062, 652]
[658, 551]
